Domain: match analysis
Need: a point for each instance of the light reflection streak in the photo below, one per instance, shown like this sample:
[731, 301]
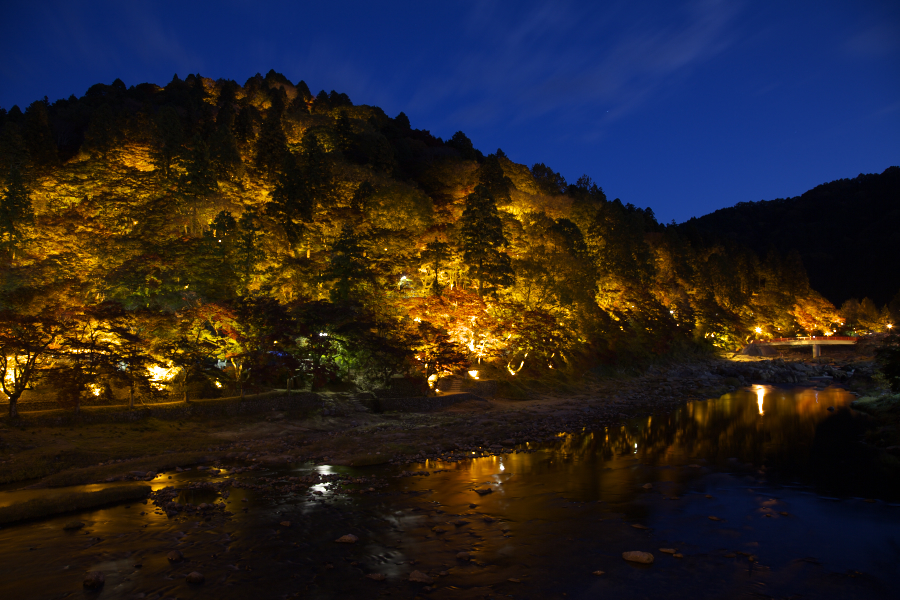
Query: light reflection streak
[760, 392]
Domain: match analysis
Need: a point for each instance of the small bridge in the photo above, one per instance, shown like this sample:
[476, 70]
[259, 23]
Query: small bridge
[816, 341]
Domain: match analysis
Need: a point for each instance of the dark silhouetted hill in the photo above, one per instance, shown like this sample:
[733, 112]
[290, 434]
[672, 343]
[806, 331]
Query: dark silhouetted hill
[846, 231]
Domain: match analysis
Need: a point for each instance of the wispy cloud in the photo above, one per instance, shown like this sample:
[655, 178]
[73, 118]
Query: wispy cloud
[573, 61]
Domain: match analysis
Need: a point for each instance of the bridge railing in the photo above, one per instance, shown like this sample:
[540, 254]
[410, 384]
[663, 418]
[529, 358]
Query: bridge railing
[823, 338]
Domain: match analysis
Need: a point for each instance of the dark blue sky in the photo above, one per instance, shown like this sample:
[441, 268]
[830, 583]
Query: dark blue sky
[685, 107]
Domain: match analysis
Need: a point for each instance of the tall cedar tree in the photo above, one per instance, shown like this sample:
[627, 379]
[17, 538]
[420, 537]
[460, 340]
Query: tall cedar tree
[37, 134]
[168, 138]
[16, 212]
[292, 201]
[102, 132]
[481, 241]
[271, 147]
[224, 151]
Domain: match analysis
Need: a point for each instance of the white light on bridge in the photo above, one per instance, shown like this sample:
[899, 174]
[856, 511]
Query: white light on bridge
[758, 330]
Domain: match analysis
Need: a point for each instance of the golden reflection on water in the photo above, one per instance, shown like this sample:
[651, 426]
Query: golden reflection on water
[718, 430]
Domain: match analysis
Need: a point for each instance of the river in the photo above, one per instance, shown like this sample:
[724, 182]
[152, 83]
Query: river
[761, 493]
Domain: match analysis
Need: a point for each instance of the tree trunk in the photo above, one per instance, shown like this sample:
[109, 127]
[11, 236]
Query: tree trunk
[14, 408]
[131, 397]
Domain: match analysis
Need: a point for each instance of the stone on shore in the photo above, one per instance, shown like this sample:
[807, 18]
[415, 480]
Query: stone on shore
[347, 539]
[639, 557]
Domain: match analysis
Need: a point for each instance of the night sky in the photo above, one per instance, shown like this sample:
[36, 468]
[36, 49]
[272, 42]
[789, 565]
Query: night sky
[685, 107]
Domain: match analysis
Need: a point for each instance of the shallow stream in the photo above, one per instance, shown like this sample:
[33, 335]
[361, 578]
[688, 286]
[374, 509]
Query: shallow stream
[762, 493]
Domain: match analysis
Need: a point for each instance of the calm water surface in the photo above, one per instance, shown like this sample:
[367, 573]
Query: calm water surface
[797, 516]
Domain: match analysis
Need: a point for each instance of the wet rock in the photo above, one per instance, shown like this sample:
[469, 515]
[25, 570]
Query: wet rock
[438, 529]
[175, 556]
[711, 518]
[460, 522]
[376, 576]
[639, 526]
[678, 555]
[598, 573]
[462, 555]
[195, 577]
[73, 525]
[484, 492]
[668, 550]
[285, 523]
[347, 539]
[637, 556]
[647, 486]
[94, 580]
[420, 577]
[514, 580]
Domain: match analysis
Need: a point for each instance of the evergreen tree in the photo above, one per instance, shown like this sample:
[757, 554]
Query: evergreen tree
[168, 138]
[316, 169]
[271, 147]
[436, 254]
[482, 240]
[13, 153]
[199, 179]
[360, 201]
[347, 266]
[16, 211]
[248, 247]
[495, 182]
[101, 134]
[225, 154]
[292, 201]
[461, 143]
[37, 135]
[245, 123]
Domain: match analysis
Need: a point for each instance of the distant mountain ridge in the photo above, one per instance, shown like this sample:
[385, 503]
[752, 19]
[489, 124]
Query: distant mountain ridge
[847, 233]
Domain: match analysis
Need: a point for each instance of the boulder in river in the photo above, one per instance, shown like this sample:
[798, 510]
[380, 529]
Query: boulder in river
[347, 539]
[420, 577]
[94, 580]
[195, 577]
[72, 525]
[637, 556]
[175, 556]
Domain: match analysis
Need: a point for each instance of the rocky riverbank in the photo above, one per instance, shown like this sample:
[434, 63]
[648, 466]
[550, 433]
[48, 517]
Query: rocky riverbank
[346, 432]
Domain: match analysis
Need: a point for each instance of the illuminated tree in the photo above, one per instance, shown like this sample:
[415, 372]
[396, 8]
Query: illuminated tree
[26, 343]
[436, 254]
[86, 357]
[437, 354]
[482, 242]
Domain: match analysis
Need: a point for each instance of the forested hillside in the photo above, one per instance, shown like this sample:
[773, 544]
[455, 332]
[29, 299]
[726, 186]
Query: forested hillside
[207, 235]
[847, 233]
